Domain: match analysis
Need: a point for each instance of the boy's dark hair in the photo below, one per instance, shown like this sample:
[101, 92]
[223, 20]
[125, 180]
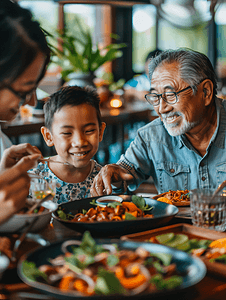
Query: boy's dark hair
[72, 96]
[21, 39]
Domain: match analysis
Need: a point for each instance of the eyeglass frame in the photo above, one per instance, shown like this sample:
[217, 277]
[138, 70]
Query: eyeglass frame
[160, 95]
[23, 99]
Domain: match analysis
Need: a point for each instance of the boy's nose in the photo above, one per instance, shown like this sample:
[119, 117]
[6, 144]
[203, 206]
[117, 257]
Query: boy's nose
[78, 141]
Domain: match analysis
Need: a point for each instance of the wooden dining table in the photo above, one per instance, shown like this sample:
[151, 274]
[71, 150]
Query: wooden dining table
[11, 287]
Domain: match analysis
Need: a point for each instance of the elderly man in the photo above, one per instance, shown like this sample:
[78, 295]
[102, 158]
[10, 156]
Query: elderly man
[185, 147]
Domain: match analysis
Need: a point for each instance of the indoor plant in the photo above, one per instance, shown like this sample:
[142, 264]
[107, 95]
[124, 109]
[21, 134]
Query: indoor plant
[77, 54]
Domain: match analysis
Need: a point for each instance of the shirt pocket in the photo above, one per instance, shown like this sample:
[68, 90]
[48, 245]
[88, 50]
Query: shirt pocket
[221, 172]
[172, 176]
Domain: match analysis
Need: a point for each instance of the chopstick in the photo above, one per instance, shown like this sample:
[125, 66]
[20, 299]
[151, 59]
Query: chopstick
[54, 161]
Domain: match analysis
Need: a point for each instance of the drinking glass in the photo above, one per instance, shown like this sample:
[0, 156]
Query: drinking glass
[208, 211]
[41, 187]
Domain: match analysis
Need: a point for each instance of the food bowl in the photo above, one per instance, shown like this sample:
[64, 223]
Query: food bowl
[103, 201]
[18, 221]
[162, 214]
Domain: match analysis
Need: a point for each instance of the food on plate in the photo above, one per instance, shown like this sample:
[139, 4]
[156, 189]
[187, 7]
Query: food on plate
[214, 251]
[175, 197]
[38, 210]
[111, 212]
[164, 199]
[94, 269]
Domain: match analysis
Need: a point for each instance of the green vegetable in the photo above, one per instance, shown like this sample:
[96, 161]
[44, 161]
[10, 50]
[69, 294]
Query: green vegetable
[221, 259]
[128, 216]
[168, 283]
[140, 203]
[165, 258]
[164, 238]
[112, 260]
[32, 272]
[177, 240]
[108, 284]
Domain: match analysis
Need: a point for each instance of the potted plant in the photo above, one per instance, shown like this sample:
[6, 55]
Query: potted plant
[78, 56]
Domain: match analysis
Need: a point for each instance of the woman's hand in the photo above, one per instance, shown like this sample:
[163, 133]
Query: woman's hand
[107, 175]
[12, 155]
[14, 186]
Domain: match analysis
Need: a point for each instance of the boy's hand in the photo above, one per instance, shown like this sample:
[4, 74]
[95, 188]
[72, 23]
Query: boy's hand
[107, 175]
[14, 154]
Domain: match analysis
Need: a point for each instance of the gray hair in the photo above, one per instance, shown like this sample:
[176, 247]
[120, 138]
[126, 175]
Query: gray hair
[194, 66]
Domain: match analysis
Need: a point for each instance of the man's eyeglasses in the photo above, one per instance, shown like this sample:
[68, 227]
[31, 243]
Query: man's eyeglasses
[24, 97]
[168, 97]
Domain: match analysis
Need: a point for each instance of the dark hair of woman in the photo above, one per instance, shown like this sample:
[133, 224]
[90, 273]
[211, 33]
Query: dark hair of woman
[21, 39]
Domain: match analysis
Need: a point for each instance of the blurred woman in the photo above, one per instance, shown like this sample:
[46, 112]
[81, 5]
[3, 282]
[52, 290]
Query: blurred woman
[24, 55]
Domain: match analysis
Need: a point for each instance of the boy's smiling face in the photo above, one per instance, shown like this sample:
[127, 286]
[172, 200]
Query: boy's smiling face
[75, 134]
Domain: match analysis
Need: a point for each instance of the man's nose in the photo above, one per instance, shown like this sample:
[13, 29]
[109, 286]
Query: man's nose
[163, 105]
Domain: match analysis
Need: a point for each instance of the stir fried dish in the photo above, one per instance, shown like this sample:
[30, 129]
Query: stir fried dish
[93, 269]
[114, 211]
[174, 197]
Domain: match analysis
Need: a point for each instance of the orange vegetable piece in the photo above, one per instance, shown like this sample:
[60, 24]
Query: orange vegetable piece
[130, 206]
[82, 287]
[221, 243]
[164, 199]
[130, 282]
[65, 282]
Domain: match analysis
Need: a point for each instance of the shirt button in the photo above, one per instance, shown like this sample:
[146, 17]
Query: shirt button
[202, 164]
[203, 178]
[172, 170]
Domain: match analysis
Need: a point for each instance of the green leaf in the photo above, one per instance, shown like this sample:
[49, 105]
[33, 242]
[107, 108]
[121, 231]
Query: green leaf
[108, 284]
[62, 215]
[140, 203]
[164, 257]
[128, 216]
[112, 260]
[32, 273]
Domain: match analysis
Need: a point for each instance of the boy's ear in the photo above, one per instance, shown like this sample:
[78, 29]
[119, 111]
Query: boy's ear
[47, 136]
[102, 128]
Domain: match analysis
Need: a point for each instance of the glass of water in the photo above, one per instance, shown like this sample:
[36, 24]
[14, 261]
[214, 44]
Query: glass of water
[208, 211]
[41, 187]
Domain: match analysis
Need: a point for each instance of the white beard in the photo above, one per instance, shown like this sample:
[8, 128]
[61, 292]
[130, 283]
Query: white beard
[180, 127]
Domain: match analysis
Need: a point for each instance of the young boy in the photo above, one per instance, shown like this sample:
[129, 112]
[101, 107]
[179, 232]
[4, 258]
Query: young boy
[73, 125]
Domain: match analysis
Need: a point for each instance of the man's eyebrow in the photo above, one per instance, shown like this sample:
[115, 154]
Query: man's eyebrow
[168, 87]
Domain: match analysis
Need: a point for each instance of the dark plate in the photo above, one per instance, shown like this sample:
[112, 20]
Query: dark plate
[193, 269]
[162, 212]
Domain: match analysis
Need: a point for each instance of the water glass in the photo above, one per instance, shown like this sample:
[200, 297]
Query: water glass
[207, 211]
[40, 187]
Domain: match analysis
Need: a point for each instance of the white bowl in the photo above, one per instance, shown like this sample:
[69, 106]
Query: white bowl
[105, 200]
[4, 263]
[18, 221]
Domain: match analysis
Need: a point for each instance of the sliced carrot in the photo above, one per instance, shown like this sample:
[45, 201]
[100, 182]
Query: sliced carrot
[130, 206]
[65, 282]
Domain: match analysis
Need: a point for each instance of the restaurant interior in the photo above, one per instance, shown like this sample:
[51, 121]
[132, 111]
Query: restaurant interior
[124, 32]
[135, 28]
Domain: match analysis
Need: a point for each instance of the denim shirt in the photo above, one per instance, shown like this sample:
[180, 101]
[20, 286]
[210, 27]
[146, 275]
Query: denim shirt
[172, 161]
